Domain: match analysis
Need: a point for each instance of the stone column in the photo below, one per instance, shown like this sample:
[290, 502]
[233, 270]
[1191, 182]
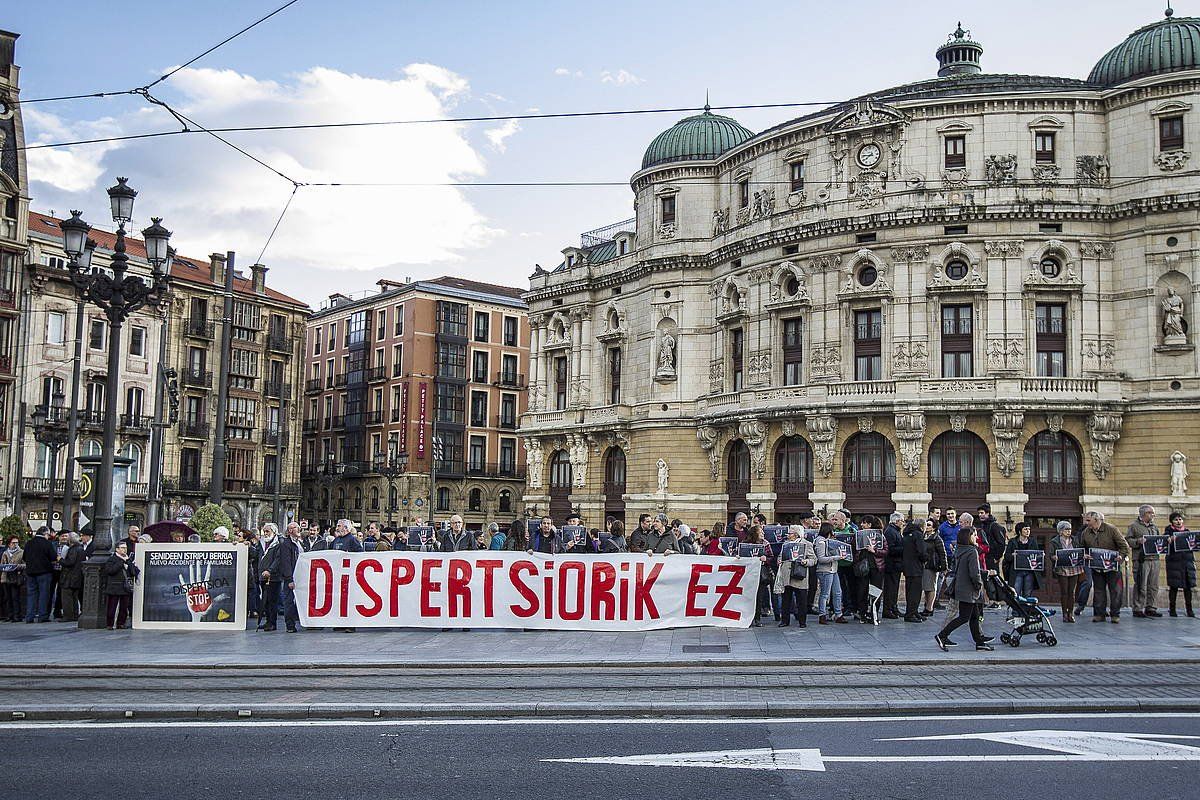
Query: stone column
[576, 355]
[584, 347]
[535, 359]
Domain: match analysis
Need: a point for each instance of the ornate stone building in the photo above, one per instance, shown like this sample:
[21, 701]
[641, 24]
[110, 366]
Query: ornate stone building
[970, 287]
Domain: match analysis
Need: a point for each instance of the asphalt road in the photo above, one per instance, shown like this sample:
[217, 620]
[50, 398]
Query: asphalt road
[500, 759]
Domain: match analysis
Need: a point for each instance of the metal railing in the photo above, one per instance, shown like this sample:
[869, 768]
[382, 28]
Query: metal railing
[42, 486]
[186, 484]
[197, 379]
[200, 328]
[194, 428]
[792, 486]
[281, 389]
[313, 385]
[512, 380]
[280, 342]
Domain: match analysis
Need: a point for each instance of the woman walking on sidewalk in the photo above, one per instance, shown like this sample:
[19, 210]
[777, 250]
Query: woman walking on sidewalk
[968, 591]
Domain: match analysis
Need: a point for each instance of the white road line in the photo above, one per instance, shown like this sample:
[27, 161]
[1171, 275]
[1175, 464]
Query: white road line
[367, 723]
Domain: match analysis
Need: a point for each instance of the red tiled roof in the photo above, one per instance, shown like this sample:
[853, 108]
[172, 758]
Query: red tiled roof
[479, 286]
[182, 268]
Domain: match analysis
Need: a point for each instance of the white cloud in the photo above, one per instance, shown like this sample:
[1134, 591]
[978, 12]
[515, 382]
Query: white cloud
[496, 136]
[620, 77]
[215, 199]
[568, 73]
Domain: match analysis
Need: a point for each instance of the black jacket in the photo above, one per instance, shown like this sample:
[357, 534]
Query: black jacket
[895, 554]
[269, 560]
[996, 538]
[72, 568]
[914, 555]
[40, 556]
[116, 570]
[289, 554]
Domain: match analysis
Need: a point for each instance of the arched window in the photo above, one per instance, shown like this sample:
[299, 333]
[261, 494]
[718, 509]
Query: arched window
[325, 499]
[958, 468]
[443, 499]
[506, 502]
[358, 497]
[341, 499]
[614, 472]
[393, 498]
[793, 465]
[475, 500]
[1051, 466]
[92, 448]
[134, 453]
[737, 478]
[374, 498]
[869, 469]
[44, 467]
[560, 470]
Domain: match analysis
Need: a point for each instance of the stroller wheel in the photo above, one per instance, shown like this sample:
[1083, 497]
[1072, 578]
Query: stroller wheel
[1015, 641]
[1051, 641]
[1004, 637]
[1041, 637]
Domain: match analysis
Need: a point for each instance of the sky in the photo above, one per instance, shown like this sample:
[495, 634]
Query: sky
[367, 60]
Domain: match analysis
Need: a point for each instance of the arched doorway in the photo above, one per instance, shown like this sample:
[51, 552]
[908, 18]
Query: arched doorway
[737, 478]
[793, 479]
[958, 471]
[1053, 481]
[869, 474]
[614, 484]
[560, 486]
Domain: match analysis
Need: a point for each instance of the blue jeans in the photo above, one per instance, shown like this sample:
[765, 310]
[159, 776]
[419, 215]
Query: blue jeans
[831, 588]
[1024, 583]
[37, 596]
[1085, 589]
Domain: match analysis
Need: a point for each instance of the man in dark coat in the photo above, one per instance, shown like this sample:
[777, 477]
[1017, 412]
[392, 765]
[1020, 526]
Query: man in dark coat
[915, 560]
[269, 574]
[40, 558]
[457, 538]
[289, 553]
[893, 566]
[995, 537]
[70, 580]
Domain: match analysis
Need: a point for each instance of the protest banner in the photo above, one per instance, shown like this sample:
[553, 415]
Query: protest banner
[1029, 560]
[728, 545]
[1102, 560]
[868, 538]
[774, 534]
[1069, 557]
[838, 548]
[811, 534]
[788, 550]
[191, 587]
[420, 537]
[752, 550]
[494, 589]
[1156, 545]
[571, 535]
[1183, 542]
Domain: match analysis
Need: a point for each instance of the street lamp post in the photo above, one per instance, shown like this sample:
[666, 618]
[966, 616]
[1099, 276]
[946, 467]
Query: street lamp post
[390, 470]
[48, 430]
[85, 264]
[118, 296]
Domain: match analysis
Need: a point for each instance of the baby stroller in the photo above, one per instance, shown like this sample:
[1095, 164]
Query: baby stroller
[1025, 616]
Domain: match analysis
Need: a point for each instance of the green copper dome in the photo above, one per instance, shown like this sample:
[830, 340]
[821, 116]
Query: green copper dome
[699, 138]
[1169, 45]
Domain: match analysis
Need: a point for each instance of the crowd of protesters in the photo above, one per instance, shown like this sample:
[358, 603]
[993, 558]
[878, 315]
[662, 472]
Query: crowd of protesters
[942, 561]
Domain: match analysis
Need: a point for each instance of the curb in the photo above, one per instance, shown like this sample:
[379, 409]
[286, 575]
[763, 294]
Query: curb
[574, 710]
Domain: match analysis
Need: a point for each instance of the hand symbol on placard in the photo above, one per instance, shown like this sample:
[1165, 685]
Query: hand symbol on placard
[196, 591]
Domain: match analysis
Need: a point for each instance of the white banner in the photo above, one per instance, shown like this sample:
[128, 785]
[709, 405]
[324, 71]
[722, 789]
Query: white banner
[199, 587]
[492, 589]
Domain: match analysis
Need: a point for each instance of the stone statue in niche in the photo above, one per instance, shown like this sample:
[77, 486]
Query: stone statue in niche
[663, 473]
[1179, 473]
[666, 357]
[1174, 326]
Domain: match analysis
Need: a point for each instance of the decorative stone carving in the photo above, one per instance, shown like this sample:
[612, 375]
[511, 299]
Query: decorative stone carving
[558, 332]
[862, 258]
[1006, 428]
[1046, 173]
[578, 453]
[910, 432]
[663, 475]
[720, 222]
[534, 457]
[826, 360]
[1098, 353]
[779, 283]
[1098, 250]
[1104, 429]
[867, 188]
[754, 433]
[999, 170]
[1091, 170]
[1005, 355]
[759, 366]
[535, 396]
[1172, 160]
[1005, 248]
[1054, 422]
[797, 199]
[763, 203]
[716, 376]
[822, 430]
[666, 359]
[787, 428]
[958, 422]
[910, 252]
[1174, 326]
[955, 178]
[709, 438]
[833, 261]
[911, 357]
[1179, 473]
[956, 251]
[743, 215]
[866, 424]
[667, 230]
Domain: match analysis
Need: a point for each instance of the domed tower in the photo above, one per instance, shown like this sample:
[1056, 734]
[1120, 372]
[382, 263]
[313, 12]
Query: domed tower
[959, 55]
[1169, 45]
[699, 138]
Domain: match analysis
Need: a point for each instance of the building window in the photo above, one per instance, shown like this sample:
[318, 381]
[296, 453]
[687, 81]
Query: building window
[1050, 466]
[508, 456]
[189, 465]
[452, 319]
[452, 361]
[396, 402]
[736, 351]
[477, 454]
[133, 402]
[793, 354]
[56, 327]
[332, 343]
[1051, 329]
[398, 315]
[956, 152]
[744, 193]
[1043, 147]
[397, 360]
[475, 500]
[134, 454]
[96, 334]
[668, 209]
[796, 173]
[868, 345]
[957, 346]
[958, 466]
[452, 452]
[510, 331]
[506, 502]
[479, 409]
[479, 366]
[137, 341]
[793, 466]
[508, 370]
[560, 383]
[317, 341]
[622, 246]
[1051, 267]
[1170, 133]
[443, 499]
[381, 325]
[867, 275]
[482, 320]
[614, 375]
[957, 269]
[451, 401]
[508, 411]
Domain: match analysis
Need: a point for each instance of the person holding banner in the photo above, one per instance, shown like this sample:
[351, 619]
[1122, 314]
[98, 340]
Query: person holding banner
[1024, 581]
[1106, 575]
[1066, 560]
[289, 554]
[545, 539]
[796, 556]
[1181, 565]
[117, 585]
[828, 552]
[1145, 564]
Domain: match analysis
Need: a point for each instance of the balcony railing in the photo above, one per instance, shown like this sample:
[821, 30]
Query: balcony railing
[312, 386]
[1052, 488]
[340, 380]
[8, 298]
[280, 342]
[868, 487]
[614, 490]
[200, 328]
[506, 423]
[862, 388]
[737, 488]
[374, 374]
[373, 417]
[197, 379]
[186, 484]
[91, 417]
[1057, 385]
[194, 429]
[271, 436]
[510, 380]
[136, 422]
[959, 487]
[42, 486]
[792, 486]
[237, 485]
[336, 421]
[311, 425]
[137, 489]
[281, 389]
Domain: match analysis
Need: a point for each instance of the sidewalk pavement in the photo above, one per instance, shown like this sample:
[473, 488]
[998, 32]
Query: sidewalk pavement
[893, 642]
